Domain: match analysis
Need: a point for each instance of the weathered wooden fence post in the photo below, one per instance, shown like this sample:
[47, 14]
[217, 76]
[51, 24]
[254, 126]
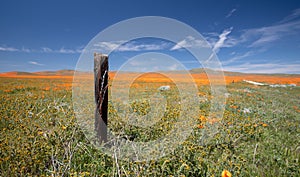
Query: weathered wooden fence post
[101, 95]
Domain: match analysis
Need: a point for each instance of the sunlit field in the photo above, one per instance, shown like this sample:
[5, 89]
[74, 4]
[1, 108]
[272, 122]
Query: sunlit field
[259, 134]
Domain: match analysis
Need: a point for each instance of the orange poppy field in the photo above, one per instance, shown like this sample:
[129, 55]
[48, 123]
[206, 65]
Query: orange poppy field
[257, 133]
[199, 78]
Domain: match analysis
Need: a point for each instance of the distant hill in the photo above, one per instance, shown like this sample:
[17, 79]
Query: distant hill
[192, 71]
[59, 73]
[56, 73]
[18, 73]
[230, 73]
[204, 70]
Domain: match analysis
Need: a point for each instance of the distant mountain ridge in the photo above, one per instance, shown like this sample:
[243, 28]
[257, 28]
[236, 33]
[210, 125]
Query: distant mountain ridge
[58, 72]
[39, 73]
[18, 73]
[69, 72]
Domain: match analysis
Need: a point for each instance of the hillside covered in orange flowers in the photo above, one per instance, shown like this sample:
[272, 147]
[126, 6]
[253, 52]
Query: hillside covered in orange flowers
[199, 76]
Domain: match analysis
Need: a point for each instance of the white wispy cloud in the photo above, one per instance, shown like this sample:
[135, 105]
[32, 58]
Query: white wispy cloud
[62, 50]
[142, 47]
[230, 13]
[103, 46]
[152, 62]
[294, 15]
[262, 37]
[35, 63]
[68, 51]
[255, 40]
[221, 41]
[292, 68]
[9, 49]
[238, 57]
[123, 46]
[41, 50]
[189, 61]
[46, 50]
[269, 34]
[108, 45]
[26, 50]
[173, 67]
[190, 41]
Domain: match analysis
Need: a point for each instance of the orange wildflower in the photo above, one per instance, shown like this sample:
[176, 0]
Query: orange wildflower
[200, 126]
[226, 173]
[46, 89]
[233, 106]
[203, 119]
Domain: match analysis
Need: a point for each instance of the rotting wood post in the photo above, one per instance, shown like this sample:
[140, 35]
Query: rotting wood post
[101, 95]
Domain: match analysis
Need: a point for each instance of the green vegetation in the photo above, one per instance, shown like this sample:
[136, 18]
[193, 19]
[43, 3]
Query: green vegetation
[258, 136]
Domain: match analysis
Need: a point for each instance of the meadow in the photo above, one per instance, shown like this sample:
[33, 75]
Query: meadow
[259, 134]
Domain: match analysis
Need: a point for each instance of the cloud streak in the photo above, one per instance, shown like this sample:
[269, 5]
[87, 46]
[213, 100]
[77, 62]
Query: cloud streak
[142, 47]
[190, 41]
[291, 68]
[109, 46]
[35, 63]
[255, 40]
[270, 34]
[68, 51]
[261, 37]
[8, 49]
[42, 50]
[292, 16]
[238, 57]
[221, 41]
[13, 49]
[61, 50]
[46, 50]
[123, 46]
[264, 36]
[230, 13]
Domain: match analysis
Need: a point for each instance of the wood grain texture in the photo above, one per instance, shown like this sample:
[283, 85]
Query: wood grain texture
[101, 95]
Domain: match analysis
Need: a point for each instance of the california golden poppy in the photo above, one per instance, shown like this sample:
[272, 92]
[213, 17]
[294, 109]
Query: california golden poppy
[226, 173]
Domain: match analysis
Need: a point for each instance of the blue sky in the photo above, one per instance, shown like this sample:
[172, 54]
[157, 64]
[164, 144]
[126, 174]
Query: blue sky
[248, 36]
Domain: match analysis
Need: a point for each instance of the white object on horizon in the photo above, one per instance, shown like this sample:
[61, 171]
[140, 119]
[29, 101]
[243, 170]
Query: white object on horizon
[271, 85]
[254, 83]
[164, 87]
[277, 85]
[227, 95]
[246, 110]
[283, 85]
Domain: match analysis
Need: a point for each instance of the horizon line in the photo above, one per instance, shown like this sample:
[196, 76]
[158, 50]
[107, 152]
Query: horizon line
[241, 72]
